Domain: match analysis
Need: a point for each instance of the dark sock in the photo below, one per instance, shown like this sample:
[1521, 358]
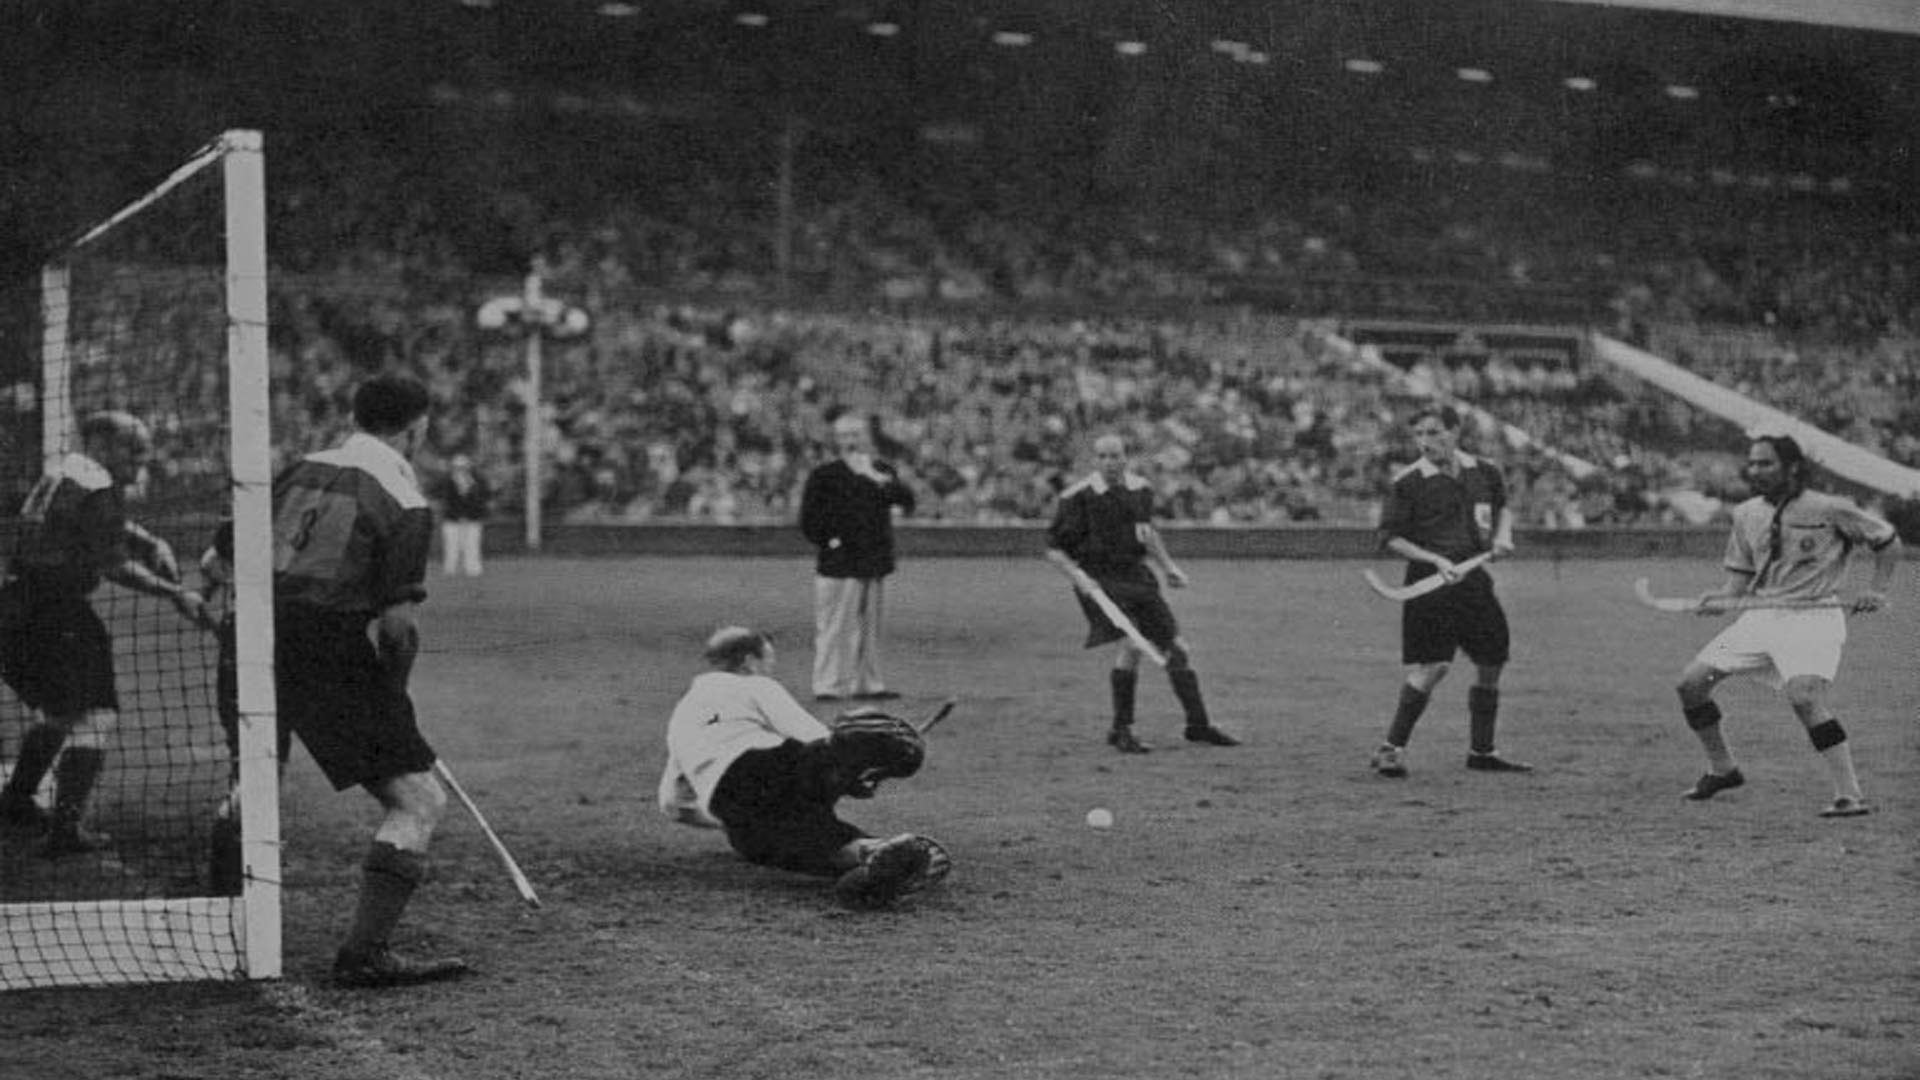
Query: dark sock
[73, 781]
[1483, 706]
[37, 751]
[387, 881]
[1124, 681]
[1413, 702]
[1186, 687]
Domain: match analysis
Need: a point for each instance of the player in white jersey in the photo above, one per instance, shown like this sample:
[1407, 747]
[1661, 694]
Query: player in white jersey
[744, 756]
[1793, 545]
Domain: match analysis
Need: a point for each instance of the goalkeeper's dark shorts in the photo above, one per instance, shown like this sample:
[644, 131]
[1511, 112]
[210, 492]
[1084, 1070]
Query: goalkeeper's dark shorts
[332, 693]
[1138, 597]
[777, 806]
[56, 654]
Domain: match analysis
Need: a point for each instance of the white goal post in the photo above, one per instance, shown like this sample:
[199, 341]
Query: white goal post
[161, 310]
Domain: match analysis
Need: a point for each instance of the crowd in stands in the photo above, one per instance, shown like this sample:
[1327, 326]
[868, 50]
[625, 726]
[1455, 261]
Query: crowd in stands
[991, 341]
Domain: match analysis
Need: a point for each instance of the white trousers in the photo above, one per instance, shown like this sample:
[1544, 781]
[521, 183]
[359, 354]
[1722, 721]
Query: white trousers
[460, 547]
[846, 635]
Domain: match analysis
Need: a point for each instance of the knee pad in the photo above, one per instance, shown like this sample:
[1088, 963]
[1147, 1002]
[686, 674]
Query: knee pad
[1826, 736]
[1702, 716]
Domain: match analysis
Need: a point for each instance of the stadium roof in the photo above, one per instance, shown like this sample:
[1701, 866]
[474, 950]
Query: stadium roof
[1891, 16]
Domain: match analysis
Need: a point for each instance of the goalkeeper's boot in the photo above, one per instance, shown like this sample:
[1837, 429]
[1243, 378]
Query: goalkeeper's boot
[379, 966]
[1122, 739]
[932, 872]
[887, 871]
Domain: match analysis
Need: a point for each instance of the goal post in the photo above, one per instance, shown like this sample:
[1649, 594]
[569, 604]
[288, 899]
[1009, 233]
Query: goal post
[160, 311]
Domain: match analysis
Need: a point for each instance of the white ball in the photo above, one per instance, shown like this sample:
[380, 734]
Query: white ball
[1100, 818]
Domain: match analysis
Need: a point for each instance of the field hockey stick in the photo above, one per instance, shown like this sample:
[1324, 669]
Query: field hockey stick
[1092, 590]
[1402, 593]
[520, 881]
[1693, 604]
[939, 714]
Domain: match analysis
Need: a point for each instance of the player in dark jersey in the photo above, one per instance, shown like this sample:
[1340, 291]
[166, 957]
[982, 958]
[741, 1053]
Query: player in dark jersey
[55, 652]
[1447, 507]
[1103, 528]
[351, 532]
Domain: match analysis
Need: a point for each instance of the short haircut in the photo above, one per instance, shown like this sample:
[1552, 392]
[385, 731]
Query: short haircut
[1448, 416]
[729, 648]
[386, 404]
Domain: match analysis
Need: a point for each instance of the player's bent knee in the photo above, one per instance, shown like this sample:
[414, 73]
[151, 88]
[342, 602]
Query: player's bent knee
[1805, 693]
[1424, 677]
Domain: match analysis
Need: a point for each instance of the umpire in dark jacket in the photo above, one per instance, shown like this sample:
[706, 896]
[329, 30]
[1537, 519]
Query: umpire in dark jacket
[846, 513]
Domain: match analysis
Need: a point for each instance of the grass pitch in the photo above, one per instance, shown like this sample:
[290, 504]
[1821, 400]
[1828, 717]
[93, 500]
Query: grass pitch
[1274, 910]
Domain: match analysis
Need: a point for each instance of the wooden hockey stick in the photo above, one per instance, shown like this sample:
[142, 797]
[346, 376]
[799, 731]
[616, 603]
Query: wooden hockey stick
[1084, 582]
[939, 714]
[520, 881]
[1434, 583]
[1684, 604]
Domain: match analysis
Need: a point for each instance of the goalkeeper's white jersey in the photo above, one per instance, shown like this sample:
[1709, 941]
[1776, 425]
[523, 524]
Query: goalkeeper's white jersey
[721, 716]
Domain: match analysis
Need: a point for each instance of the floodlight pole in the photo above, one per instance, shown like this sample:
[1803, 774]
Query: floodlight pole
[533, 430]
[536, 316]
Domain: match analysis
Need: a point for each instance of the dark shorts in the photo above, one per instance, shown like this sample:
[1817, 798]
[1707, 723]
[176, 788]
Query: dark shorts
[56, 654]
[1140, 600]
[331, 692]
[1463, 618]
[777, 806]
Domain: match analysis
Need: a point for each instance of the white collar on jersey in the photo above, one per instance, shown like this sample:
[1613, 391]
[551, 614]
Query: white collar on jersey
[1426, 468]
[380, 461]
[82, 470]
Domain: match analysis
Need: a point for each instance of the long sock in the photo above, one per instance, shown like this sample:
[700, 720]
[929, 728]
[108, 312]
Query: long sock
[1123, 681]
[387, 881]
[1839, 760]
[73, 780]
[37, 751]
[1413, 702]
[1186, 687]
[1483, 708]
[1830, 741]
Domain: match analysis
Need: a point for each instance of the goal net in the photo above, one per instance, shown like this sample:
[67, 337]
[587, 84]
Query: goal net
[158, 313]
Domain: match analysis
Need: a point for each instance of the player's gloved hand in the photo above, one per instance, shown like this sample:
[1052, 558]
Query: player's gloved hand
[872, 745]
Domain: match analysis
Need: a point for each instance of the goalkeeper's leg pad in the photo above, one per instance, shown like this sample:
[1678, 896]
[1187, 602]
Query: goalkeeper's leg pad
[892, 870]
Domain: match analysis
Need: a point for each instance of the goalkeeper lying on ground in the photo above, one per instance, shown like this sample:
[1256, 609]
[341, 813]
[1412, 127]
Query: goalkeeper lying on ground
[744, 756]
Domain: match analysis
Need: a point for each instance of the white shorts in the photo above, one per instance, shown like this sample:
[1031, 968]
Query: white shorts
[1780, 644]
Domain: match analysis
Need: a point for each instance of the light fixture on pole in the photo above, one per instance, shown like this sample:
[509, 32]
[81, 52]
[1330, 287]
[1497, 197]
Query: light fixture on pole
[535, 316]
